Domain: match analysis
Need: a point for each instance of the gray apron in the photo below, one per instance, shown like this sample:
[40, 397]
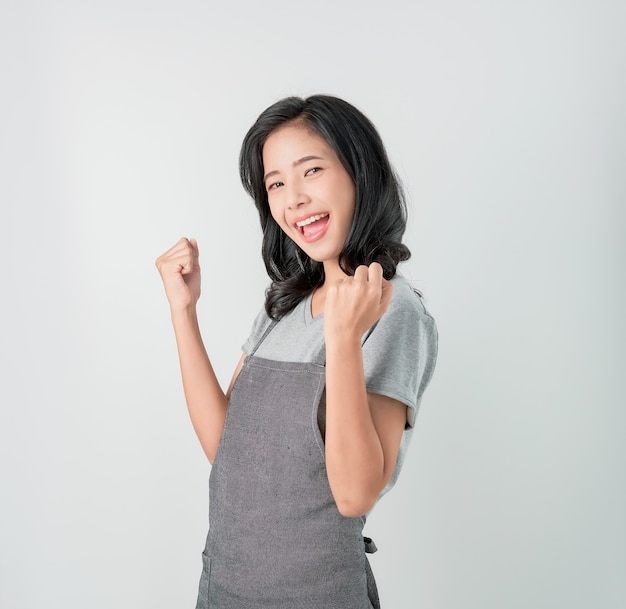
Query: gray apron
[276, 539]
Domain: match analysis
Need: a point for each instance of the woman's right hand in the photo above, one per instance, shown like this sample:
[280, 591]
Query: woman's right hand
[180, 271]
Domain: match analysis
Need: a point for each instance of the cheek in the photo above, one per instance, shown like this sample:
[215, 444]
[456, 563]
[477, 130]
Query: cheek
[275, 211]
[350, 204]
[348, 188]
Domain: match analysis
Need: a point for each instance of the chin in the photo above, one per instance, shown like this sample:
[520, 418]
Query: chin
[323, 259]
[319, 254]
[316, 258]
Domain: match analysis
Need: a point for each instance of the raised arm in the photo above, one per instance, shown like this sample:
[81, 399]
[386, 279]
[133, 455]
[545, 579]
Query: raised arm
[363, 431]
[206, 401]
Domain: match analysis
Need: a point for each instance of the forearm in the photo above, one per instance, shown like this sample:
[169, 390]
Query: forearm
[355, 461]
[205, 398]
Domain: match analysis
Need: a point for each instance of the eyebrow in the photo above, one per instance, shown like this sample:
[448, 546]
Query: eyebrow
[304, 159]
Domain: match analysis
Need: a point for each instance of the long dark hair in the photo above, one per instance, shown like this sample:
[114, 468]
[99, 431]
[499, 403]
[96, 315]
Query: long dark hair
[380, 209]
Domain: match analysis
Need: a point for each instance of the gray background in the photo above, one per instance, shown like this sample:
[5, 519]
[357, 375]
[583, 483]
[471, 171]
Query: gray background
[120, 124]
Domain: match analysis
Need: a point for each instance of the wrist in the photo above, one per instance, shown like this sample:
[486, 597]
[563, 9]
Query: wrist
[342, 342]
[184, 315]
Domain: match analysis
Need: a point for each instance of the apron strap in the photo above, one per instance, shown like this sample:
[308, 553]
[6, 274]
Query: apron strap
[267, 331]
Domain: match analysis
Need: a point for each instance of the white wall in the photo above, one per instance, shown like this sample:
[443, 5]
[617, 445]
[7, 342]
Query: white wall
[120, 124]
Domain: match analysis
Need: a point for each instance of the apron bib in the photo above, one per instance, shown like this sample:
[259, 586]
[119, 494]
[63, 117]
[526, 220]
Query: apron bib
[276, 539]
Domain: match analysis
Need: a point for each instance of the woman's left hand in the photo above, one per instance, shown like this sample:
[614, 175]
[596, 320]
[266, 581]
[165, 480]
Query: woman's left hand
[354, 304]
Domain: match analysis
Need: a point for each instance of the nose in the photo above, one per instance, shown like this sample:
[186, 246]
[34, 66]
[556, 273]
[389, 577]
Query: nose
[296, 196]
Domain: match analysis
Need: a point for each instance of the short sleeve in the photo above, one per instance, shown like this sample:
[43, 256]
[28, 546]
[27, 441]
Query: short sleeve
[400, 351]
[259, 326]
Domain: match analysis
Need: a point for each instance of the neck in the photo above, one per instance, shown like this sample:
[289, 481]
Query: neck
[332, 272]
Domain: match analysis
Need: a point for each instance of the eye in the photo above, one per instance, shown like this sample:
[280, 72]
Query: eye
[312, 170]
[274, 185]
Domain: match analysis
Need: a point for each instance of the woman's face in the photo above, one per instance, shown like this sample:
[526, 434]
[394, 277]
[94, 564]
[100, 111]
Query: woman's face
[311, 195]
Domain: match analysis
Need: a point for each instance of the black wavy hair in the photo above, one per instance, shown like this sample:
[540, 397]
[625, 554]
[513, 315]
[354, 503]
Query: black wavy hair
[380, 208]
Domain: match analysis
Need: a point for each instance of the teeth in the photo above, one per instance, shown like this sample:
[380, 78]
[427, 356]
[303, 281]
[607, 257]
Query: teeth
[310, 220]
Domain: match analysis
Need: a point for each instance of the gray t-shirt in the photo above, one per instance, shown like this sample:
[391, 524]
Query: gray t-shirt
[399, 352]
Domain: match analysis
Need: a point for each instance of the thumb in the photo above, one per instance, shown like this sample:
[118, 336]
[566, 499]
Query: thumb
[194, 246]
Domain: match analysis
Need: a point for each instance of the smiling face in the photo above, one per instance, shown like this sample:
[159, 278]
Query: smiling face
[311, 195]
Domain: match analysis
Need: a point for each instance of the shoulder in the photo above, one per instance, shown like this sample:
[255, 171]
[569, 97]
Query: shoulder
[259, 326]
[406, 335]
[404, 296]
[406, 309]
[400, 350]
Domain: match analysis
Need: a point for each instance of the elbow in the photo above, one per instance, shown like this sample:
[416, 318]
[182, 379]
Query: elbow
[354, 506]
[357, 499]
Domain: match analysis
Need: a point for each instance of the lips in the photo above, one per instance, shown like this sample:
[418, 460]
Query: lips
[313, 227]
[310, 220]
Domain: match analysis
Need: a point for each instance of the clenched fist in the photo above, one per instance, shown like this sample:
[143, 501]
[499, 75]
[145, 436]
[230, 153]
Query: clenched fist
[354, 304]
[180, 271]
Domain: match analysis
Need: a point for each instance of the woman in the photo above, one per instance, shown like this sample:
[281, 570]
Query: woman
[314, 424]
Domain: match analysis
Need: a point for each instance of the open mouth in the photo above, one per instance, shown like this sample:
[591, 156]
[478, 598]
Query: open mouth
[313, 226]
